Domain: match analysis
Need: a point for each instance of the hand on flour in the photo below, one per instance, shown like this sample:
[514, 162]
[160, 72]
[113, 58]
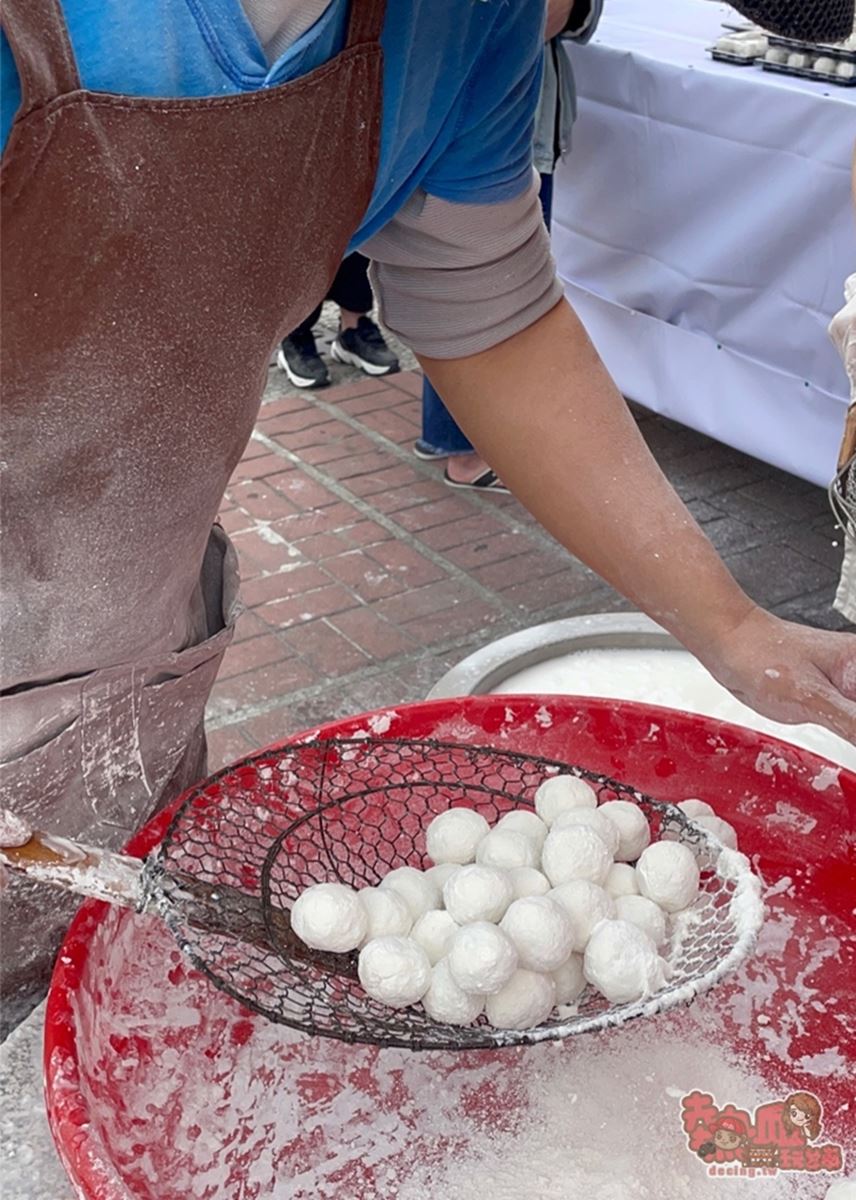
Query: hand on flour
[14, 831]
[789, 672]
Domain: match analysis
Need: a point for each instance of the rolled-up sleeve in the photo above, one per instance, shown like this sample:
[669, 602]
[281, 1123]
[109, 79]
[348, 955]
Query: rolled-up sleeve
[454, 279]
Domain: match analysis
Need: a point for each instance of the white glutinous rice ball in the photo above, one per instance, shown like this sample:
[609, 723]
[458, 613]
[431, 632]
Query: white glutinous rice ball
[621, 880]
[395, 970]
[439, 874]
[386, 912]
[524, 1002]
[668, 875]
[561, 793]
[586, 905]
[541, 932]
[505, 848]
[693, 808]
[481, 958]
[417, 891]
[634, 832]
[644, 914]
[575, 853]
[824, 65]
[569, 980]
[622, 962]
[523, 820]
[432, 931]
[846, 70]
[477, 893]
[720, 829]
[605, 829]
[526, 881]
[453, 836]
[446, 1002]
[798, 60]
[329, 916]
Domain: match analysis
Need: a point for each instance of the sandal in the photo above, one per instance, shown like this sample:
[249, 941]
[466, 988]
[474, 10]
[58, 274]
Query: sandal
[488, 481]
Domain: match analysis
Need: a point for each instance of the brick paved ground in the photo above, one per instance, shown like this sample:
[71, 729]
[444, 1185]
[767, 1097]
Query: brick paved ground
[365, 577]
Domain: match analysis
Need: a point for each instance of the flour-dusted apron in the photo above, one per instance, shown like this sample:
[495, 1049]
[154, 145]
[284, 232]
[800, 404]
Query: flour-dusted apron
[154, 251]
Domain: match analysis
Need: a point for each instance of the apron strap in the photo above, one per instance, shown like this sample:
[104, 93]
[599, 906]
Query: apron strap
[38, 37]
[365, 23]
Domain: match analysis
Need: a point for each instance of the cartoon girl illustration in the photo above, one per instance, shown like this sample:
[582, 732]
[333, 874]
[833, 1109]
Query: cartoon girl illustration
[802, 1111]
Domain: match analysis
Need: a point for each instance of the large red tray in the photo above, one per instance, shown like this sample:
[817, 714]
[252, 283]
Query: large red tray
[126, 1016]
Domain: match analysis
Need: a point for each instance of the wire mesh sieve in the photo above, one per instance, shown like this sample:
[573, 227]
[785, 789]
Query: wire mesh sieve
[352, 810]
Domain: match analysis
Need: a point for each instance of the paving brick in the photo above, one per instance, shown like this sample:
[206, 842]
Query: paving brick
[257, 468]
[277, 679]
[328, 653]
[784, 494]
[426, 491]
[319, 546]
[730, 535]
[234, 520]
[317, 520]
[357, 406]
[364, 533]
[814, 609]
[407, 381]
[317, 435]
[357, 389]
[253, 449]
[563, 587]
[284, 583]
[424, 602]
[774, 573]
[292, 422]
[520, 569]
[278, 403]
[262, 500]
[227, 745]
[450, 510]
[469, 616]
[253, 653]
[391, 425]
[364, 575]
[474, 528]
[826, 548]
[249, 625]
[384, 475]
[303, 491]
[266, 553]
[307, 606]
[499, 547]
[325, 456]
[371, 463]
[378, 638]
[402, 560]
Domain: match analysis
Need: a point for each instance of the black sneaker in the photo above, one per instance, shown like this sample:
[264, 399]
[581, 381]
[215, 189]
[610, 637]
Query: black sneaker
[364, 347]
[299, 358]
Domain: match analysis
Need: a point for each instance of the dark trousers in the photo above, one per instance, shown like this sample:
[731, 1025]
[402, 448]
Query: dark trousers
[350, 289]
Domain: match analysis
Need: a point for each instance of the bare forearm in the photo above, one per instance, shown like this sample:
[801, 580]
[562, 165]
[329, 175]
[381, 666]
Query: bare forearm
[543, 411]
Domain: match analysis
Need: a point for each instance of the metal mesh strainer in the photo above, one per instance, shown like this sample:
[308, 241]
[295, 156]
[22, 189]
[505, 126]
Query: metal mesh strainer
[350, 811]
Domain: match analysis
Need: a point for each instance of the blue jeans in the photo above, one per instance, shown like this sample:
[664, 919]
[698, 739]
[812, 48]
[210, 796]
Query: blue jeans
[440, 432]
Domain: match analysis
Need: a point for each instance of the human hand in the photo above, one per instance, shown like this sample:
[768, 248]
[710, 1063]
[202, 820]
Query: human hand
[788, 672]
[14, 831]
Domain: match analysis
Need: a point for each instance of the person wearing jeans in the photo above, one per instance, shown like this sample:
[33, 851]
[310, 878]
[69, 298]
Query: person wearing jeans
[441, 436]
[359, 342]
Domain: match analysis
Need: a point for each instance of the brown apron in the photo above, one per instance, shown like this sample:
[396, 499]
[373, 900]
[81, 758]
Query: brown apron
[154, 251]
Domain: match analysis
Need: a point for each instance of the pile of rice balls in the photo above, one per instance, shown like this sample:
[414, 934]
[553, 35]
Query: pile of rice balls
[515, 920]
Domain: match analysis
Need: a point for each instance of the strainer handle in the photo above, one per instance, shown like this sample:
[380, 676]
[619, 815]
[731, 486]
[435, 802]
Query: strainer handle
[86, 870]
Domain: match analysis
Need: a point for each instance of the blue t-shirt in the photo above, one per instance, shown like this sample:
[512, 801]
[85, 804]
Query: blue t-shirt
[461, 80]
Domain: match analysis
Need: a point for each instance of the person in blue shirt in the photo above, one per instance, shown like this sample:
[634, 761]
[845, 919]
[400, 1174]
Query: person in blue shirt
[162, 164]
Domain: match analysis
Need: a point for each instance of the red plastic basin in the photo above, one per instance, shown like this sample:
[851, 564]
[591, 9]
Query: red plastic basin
[161, 1088]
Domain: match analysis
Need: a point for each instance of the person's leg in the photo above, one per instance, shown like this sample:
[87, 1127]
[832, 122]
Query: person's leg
[359, 341]
[546, 197]
[443, 438]
[298, 355]
[351, 290]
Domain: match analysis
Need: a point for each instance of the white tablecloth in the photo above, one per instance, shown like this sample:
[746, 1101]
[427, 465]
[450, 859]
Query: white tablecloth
[703, 230]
